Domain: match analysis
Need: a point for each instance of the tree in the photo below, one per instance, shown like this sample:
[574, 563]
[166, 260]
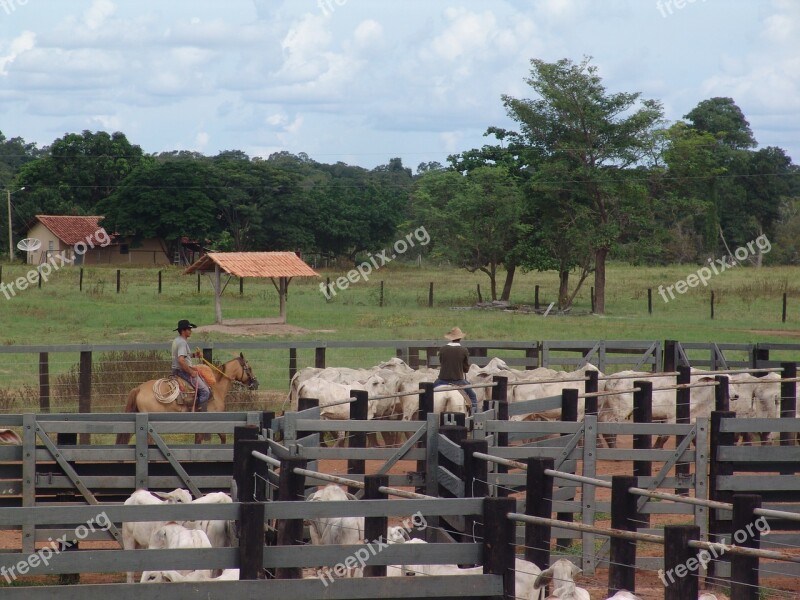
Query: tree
[167, 201]
[78, 171]
[723, 119]
[594, 137]
[472, 219]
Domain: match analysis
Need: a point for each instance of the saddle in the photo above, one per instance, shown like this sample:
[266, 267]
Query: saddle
[175, 389]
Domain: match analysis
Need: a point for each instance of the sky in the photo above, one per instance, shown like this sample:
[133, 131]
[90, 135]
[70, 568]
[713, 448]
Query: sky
[363, 81]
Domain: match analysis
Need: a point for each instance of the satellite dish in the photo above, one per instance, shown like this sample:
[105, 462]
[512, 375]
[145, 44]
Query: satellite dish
[29, 244]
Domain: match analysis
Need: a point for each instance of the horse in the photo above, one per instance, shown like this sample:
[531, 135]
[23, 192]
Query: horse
[142, 399]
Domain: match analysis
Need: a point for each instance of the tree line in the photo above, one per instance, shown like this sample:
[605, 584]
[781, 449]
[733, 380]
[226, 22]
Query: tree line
[585, 176]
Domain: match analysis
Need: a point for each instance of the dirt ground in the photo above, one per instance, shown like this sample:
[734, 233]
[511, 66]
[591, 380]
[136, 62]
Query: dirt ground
[255, 328]
[648, 584]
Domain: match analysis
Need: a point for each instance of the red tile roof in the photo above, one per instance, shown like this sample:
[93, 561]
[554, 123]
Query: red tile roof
[70, 229]
[254, 264]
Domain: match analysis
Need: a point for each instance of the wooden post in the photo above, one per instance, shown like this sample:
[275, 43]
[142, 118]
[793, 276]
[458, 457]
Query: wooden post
[319, 358]
[788, 399]
[44, 382]
[649, 301]
[669, 355]
[430, 296]
[679, 582]
[538, 503]
[39, 280]
[375, 527]
[592, 383]
[425, 408]
[643, 413]
[251, 541]
[718, 528]
[80, 280]
[119, 277]
[783, 316]
[292, 362]
[712, 304]
[500, 398]
[217, 294]
[283, 293]
[744, 569]
[760, 357]
[682, 415]
[569, 413]
[328, 294]
[159, 282]
[622, 561]
[380, 301]
[67, 439]
[241, 286]
[722, 397]
[498, 542]
[198, 282]
[359, 411]
[245, 441]
[476, 477]
[85, 389]
[536, 298]
[292, 488]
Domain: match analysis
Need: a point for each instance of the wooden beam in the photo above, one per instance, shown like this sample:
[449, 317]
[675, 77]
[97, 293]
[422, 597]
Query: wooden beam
[217, 293]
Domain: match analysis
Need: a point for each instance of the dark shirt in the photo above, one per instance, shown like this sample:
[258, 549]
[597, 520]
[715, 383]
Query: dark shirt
[453, 361]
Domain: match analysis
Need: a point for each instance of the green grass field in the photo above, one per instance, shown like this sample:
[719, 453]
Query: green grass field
[748, 309]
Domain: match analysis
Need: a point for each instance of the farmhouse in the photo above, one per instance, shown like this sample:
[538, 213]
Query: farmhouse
[60, 233]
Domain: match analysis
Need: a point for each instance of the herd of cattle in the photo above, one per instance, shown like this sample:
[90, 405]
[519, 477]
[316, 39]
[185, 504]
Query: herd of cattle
[530, 581]
[396, 384]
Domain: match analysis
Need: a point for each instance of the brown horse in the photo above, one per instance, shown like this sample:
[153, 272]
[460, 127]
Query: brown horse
[141, 399]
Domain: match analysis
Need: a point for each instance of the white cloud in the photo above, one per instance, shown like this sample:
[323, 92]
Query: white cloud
[25, 42]
[98, 13]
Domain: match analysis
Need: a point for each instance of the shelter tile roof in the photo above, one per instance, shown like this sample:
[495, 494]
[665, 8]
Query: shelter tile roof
[254, 264]
[72, 229]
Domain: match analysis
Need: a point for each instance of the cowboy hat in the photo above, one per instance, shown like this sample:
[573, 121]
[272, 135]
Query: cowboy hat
[184, 324]
[454, 334]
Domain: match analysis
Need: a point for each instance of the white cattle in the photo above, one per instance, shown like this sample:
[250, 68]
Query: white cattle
[174, 536]
[10, 437]
[335, 530]
[618, 407]
[562, 574]
[176, 576]
[623, 595]
[221, 534]
[137, 535]
[756, 398]
[546, 383]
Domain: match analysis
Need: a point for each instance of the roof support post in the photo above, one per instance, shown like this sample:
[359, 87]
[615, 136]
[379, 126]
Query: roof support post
[282, 290]
[217, 294]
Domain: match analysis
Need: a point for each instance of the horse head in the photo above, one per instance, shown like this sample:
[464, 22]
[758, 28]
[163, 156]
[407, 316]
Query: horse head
[247, 376]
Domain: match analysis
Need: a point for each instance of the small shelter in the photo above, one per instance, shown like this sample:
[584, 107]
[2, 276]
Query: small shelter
[280, 267]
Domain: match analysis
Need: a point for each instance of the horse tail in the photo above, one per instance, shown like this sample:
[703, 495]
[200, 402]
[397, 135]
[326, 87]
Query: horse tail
[130, 407]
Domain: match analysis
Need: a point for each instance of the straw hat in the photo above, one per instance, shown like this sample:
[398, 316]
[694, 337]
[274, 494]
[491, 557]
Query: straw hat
[454, 334]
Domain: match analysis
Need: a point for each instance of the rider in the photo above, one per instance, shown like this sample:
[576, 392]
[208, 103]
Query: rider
[454, 363]
[182, 364]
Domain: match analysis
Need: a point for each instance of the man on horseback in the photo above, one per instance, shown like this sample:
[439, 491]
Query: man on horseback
[454, 364]
[182, 364]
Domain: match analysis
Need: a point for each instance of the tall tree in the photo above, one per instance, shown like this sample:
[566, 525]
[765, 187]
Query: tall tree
[473, 219]
[167, 201]
[593, 136]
